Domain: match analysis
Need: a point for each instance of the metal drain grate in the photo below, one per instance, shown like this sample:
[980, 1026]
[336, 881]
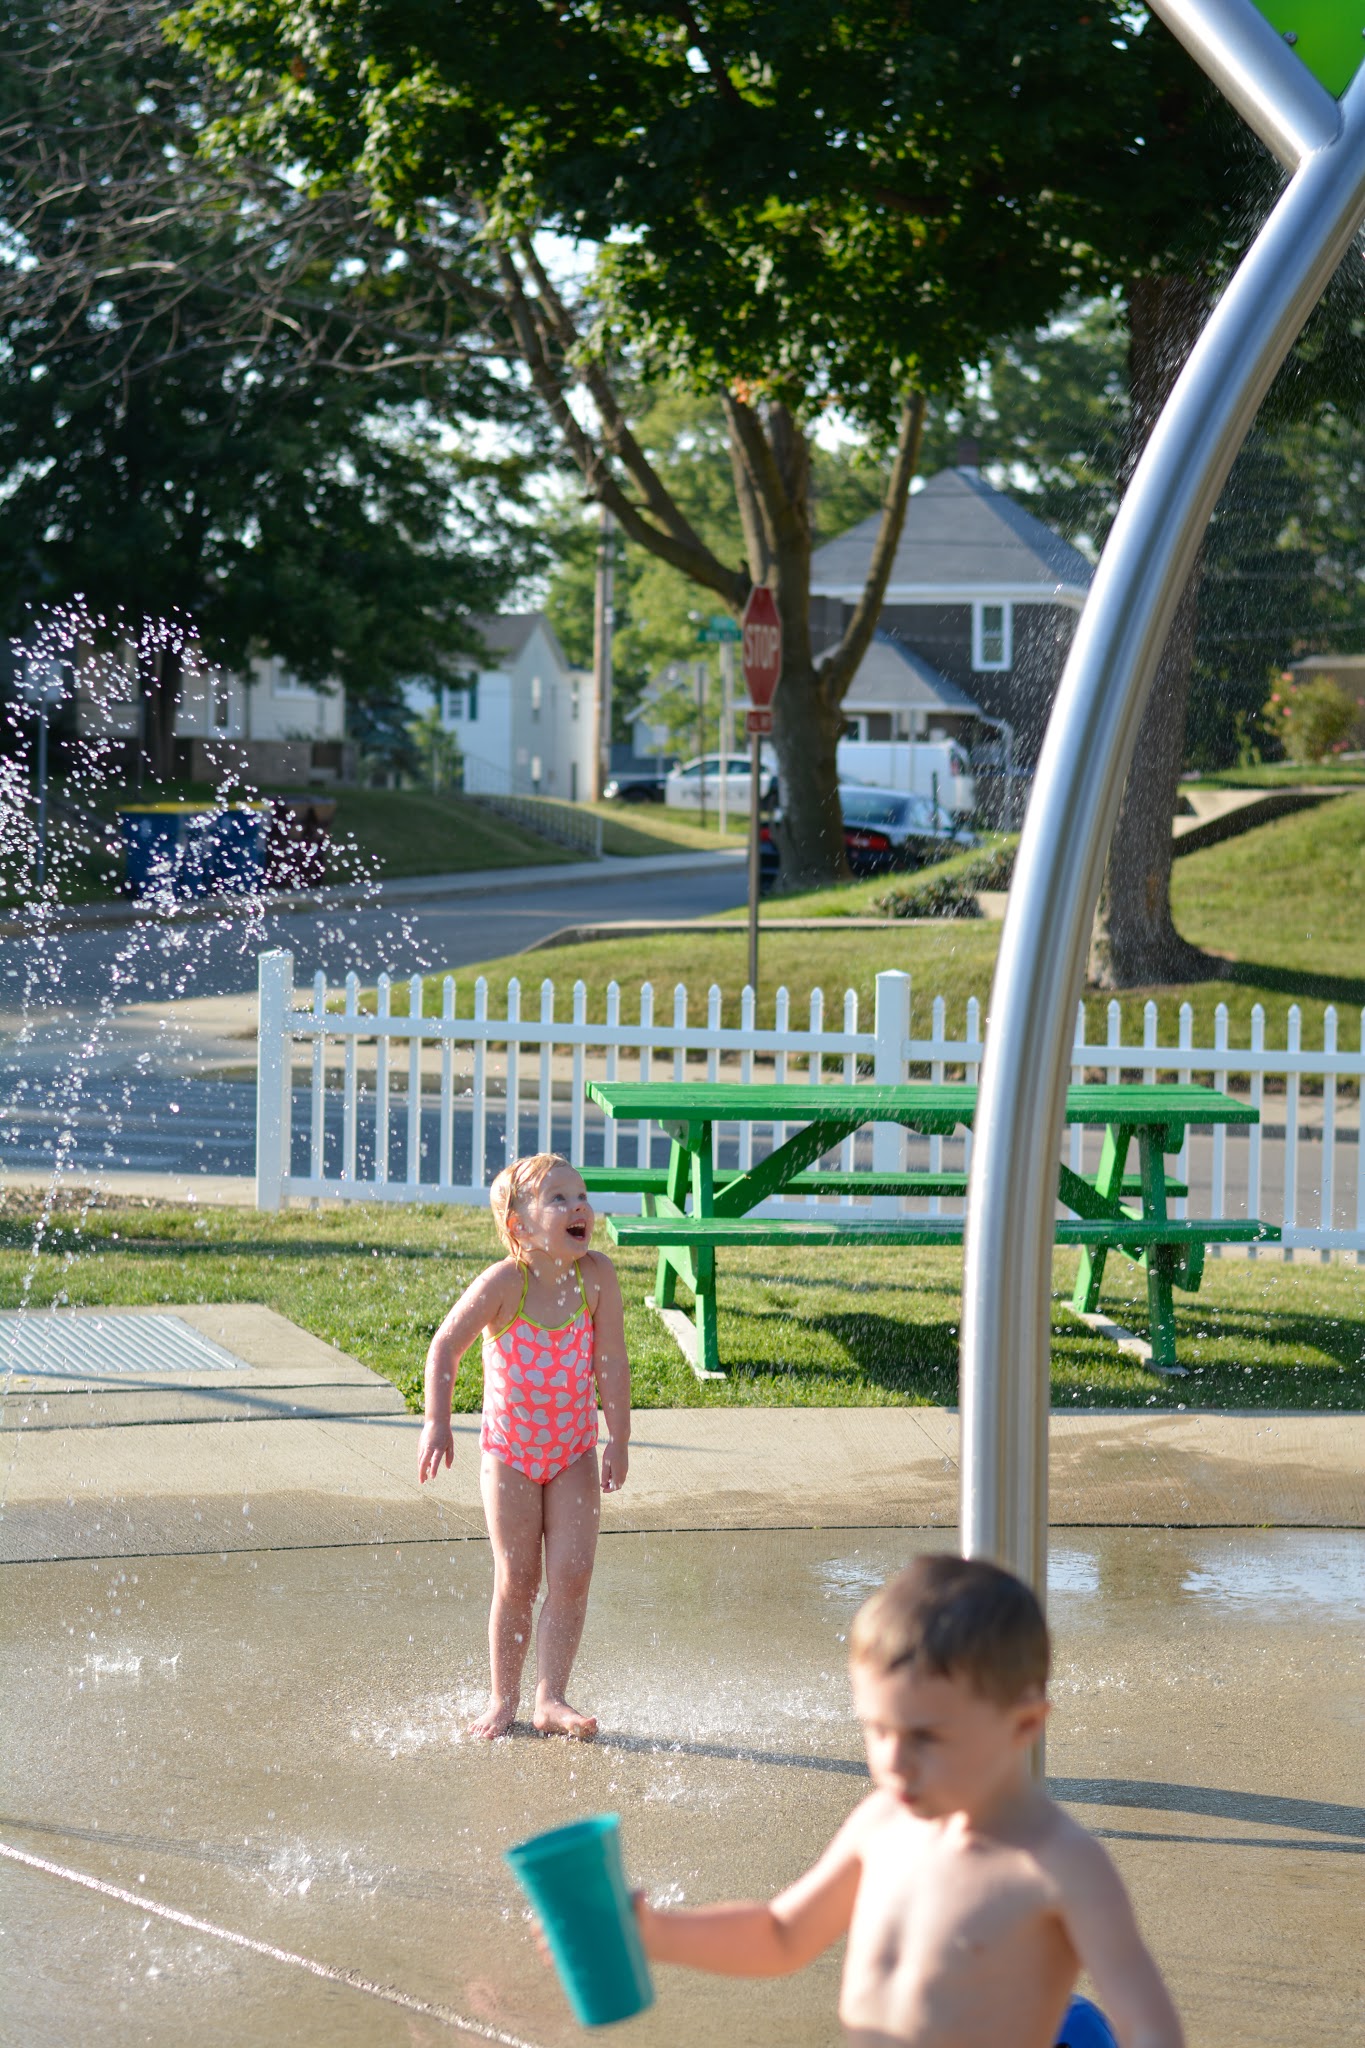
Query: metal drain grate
[84, 1346]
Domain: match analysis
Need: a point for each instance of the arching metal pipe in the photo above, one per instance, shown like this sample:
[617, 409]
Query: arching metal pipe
[1086, 755]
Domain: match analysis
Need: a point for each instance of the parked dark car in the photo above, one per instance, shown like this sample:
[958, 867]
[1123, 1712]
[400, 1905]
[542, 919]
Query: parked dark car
[637, 786]
[884, 830]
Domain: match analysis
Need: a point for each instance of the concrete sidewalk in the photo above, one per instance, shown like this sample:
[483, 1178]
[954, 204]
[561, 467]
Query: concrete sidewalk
[303, 1446]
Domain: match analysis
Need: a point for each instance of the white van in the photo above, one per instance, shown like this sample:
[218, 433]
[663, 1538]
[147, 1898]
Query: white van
[938, 769]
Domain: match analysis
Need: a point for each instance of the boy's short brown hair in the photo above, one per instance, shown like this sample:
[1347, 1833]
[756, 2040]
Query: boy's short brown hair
[957, 1616]
[512, 1186]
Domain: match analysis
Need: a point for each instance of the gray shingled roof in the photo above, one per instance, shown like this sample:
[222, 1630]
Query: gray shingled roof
[894, 677]
[960, 534]
[508, 632]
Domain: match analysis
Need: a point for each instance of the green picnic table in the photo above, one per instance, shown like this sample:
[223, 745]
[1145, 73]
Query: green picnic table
[1114, 1211]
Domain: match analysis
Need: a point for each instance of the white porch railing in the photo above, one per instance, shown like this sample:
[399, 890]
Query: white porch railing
[366, 1105]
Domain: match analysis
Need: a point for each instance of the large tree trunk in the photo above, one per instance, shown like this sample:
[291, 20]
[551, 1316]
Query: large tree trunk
[806, 727]
[161, 669]
[806, 730]
[772, 487]
[771, 461]
[1134, 942]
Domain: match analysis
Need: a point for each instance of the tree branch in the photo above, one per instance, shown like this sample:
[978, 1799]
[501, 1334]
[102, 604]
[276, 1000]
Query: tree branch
[696, 563]
[616, 432]
[838, 669]
[771, 509]
[717, 73]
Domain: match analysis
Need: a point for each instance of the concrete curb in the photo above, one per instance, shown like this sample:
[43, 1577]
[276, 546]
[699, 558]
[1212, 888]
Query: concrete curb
[645, 928]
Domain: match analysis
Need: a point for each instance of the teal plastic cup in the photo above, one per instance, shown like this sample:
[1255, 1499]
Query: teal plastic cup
[574, 1879]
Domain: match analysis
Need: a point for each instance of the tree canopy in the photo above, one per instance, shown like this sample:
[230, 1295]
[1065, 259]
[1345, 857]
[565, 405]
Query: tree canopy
[290, 492]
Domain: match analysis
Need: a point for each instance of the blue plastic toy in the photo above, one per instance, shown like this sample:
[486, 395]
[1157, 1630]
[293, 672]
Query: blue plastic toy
[1085, 2026]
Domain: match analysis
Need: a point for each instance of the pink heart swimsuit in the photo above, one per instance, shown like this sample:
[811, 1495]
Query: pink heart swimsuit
[540, 1392]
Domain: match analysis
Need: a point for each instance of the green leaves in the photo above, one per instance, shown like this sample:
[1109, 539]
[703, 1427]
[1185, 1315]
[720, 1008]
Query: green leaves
[824, 201]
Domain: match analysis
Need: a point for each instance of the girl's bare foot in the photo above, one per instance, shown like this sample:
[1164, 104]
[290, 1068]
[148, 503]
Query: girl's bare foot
[495, 1720]
[557, 1717]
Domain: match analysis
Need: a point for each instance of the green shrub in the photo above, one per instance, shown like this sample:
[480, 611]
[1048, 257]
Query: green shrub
[948, 889]
[1311, 720]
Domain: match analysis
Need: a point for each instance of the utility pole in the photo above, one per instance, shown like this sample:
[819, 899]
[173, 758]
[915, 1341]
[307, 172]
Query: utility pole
[727, 692]
[699, 670]
[603, 621]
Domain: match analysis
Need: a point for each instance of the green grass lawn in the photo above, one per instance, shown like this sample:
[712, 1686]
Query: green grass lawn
[385, 832]
[635, 829]
[410, 832]
[1283, 902]
[870, 1328]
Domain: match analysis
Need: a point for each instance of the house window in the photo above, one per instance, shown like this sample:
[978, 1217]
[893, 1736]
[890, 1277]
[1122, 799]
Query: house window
[287, 685]
[573, 705]
[853, 729]
[992, 636]
[536, 776]
[879, 725]
[535, 696]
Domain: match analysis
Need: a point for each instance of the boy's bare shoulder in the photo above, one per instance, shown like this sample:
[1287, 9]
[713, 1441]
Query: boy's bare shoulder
[871, 1817]
[1072, 1857]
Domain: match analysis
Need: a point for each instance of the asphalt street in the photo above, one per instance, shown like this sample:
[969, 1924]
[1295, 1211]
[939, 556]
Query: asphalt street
[155, 961]
[88, 1078]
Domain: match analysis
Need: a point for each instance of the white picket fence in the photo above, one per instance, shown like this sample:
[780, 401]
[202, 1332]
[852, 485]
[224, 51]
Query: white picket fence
[342, 1092]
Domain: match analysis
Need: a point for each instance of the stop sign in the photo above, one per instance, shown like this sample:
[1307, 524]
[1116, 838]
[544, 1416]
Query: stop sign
[761, 648]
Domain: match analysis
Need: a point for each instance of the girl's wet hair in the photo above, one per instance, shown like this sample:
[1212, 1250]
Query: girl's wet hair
[957, 1617]
[524, 1177]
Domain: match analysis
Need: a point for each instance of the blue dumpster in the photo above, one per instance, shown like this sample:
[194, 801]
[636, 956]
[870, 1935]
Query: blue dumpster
[194, 849]
[222, 852]
[151, 845]
[236, 858]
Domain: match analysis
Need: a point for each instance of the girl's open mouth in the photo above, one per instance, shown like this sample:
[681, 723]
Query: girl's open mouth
[579, 1232]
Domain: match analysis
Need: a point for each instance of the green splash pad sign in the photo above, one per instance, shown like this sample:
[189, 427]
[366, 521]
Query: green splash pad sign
[1329, 36]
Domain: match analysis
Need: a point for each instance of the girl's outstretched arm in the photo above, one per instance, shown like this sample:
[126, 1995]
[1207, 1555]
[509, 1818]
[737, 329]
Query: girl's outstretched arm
[612, 1368]
[479, 1307]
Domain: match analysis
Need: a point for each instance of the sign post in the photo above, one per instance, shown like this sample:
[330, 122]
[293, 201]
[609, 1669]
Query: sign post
[761, 661]
[721, 630]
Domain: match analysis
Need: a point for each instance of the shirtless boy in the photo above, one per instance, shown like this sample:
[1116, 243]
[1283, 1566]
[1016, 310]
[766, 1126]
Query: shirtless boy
[970, 1901]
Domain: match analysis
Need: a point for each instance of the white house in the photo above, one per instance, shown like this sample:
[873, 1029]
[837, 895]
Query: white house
[266, 725]
[525, 722]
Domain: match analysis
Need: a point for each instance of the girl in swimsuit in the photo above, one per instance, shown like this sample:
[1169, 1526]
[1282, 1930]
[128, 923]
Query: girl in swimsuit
[553, 1341]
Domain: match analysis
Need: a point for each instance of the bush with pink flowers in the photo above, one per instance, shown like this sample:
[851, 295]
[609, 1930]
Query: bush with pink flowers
[1311, 720]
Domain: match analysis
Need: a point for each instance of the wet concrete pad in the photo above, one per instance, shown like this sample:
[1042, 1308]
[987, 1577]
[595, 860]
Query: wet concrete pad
[272, 1743]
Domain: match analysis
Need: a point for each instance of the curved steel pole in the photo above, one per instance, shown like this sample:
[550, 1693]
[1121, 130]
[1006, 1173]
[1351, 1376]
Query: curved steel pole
[1084, 764]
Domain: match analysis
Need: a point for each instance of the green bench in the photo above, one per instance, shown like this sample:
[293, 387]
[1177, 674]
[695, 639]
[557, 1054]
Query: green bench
[1155, 1117]
[653, 1180]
